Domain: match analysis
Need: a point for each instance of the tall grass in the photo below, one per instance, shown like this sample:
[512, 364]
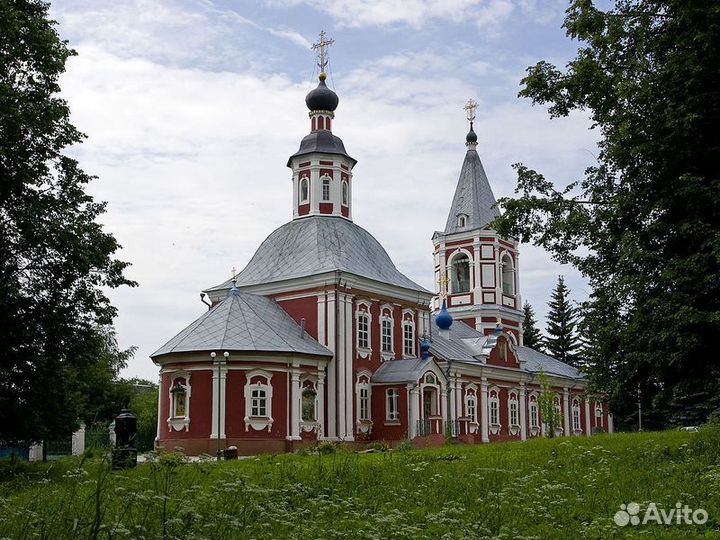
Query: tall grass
[562, 488]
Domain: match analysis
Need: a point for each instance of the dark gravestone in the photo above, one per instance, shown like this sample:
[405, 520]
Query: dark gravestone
[125, 453]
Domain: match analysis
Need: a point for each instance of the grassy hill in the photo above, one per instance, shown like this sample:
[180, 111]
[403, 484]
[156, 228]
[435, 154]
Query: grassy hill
[562, 488]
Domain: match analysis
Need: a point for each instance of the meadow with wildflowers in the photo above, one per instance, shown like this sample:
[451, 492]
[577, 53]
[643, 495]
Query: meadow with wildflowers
[561, 488]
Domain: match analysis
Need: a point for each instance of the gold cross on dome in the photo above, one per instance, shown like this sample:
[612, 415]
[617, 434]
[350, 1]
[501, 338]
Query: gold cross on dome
[322, 47]
[470, 107]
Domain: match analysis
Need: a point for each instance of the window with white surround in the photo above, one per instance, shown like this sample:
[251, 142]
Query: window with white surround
[345, 193]
[494, 408]
[392, 405]
[386, 333]
[258, 400]
[363, 320]
[534, 413]
[363, 396]
[471, 407]
[577, 426]
[598, 414]
[308, 402]
[325, 188]
[508, 275]
[558, 416]
[408, 338]
[460, 273]
[513, 409]
[462, 220]
[179, 395]
[304, 190]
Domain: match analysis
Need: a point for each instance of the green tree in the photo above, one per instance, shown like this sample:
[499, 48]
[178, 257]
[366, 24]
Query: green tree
[642, 224]
[144, 404]
[56, 261]
[562, 340]
[531, 335]
[546, 403]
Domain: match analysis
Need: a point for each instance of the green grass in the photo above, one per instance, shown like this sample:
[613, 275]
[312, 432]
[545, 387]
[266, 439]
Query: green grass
[563, 488]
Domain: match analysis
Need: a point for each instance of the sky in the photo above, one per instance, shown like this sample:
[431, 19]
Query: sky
[191, 109]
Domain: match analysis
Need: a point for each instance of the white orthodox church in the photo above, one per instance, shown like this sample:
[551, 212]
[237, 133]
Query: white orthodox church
[321, 337]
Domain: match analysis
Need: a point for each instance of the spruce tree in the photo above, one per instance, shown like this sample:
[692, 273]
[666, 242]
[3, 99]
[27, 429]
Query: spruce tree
[531, 334]
[562, 339]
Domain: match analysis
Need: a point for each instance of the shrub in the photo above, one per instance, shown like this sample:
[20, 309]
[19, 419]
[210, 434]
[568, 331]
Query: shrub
[326, 447]
[405, 445]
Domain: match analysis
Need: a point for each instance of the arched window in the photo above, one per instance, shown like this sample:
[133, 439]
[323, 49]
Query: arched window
[513, 409]
[408, 338]
[598, 414]
[534, 413]
[460, 272]
[471, 407]
[309, 402]
[462, 220]
[179, 400]
[179, 417]
[304, 191]
[345, 193]
[325, 188]
[258, 400]
[494, 405]
[577, 426]
[363, 399]
[508, 275]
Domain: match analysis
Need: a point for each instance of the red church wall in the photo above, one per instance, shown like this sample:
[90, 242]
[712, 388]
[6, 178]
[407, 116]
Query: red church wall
[326, 208]
[381, 430]
[345, 211]
[494, 357]
[304, 209]
[303, 308]
[200, 407]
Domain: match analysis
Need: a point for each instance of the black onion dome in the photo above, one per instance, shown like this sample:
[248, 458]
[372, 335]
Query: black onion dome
[471, 136]
[322, 98]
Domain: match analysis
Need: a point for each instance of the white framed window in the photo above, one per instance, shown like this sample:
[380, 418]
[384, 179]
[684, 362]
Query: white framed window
[179, 397]
[534, 413]
[363, 324]
[386, 332]
[462, 220]
[387, 335]
[460, 273]
[558, 416]
[471, 407]
[363, 392]
[494, 407]
[308, 402]
[392, 405]
[325, 188]
[503, 349]
[304, 190]
[345, 190]
[513, 409]
[408, 338]
[577, 425]
[258, 400]
[598, 414]
[508, 275]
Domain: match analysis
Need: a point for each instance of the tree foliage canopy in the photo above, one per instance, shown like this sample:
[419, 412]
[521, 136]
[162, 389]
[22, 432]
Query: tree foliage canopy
[56, 261]
[642, 224]
[531, 334]
[562, 340]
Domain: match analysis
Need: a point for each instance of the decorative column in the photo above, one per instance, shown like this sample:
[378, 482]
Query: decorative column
[294, 404]
[588, 428]
[611, 428]
[414, 403]
[331, 370]
[566, 410]
[444, 410]
[159, 409]
[349, 386]
[484, 410]
[341, 366]
[321, 403]
[218, 401]
[477, 290]
[452, 385]
[458, 398]
[523, 412]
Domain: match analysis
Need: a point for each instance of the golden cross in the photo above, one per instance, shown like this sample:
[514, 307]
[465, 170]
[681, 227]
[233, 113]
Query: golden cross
[322, 46]
[470, 107]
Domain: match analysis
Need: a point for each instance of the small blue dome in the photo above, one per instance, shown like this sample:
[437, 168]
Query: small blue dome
[498, 328]
[234, 291]
[471, 136]
[444, 320]
[425, 349]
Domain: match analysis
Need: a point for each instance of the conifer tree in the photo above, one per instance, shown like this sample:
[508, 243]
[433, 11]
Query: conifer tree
[531, 334]
[562, 339]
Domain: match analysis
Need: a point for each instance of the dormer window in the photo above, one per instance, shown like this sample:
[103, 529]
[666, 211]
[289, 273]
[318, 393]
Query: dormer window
[326, 188]
[304, 189]
[462, 220]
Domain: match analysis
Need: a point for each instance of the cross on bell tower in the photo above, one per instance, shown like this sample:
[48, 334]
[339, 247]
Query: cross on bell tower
[322, 47]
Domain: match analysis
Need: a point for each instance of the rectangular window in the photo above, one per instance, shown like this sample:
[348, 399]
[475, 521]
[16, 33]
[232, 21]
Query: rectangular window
[494, 412]
[326, 189]
[534, 420]
[363, 333]
[576, 419]
[471, 411]
[393, 404]
[364, 403]
[386, 335]
[513, 413]
[258, 403]
[408, 339]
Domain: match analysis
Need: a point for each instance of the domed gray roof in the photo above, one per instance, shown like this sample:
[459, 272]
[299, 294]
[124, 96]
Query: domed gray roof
[316, 245]
[321, 141]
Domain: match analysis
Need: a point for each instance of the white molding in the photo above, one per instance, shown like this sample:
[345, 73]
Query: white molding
[258, 423]
[179, 423]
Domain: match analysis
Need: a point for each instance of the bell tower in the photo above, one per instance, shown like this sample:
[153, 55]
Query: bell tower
[475, 268]
[321, 168]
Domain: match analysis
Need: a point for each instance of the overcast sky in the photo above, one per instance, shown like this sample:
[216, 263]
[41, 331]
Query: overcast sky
[192, 108]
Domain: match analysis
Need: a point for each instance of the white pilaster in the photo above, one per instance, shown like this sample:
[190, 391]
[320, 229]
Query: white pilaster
[295, 404]
[159, 409]
[484, 410]
[443, 404]
[332, 369]
[452, 384]
[458, 398]
[349, 387]
[218, 401]
[341, 368]
[566, 411]
[321, 304]
[477, 291]
[321, 402]
[588, 425]
[523, 412]
[414, 401]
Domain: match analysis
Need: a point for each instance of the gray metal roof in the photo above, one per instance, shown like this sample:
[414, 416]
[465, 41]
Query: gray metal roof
[244, 322]
[465, 344]
[316, 245]
[321, 141]
[473, 197]
[401, 371]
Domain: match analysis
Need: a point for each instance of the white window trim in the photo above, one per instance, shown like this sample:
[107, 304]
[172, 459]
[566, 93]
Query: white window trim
[409, 323]
[388, 418]
[559, 429]
[514, 427]
[533, 402]
[306, 199]
[576, 414]
[364, 425]
[471, 273]
[387, 355]
[178, 423]
[309, 425]
[507, 254]
[598, 414]
[462, 220]
[345, 193]
[323, 179]
[363, 352]
[258, 423]
[495, 427]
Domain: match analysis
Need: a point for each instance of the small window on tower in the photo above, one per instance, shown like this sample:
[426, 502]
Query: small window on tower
[461, 274]
[326, 189]
[345, 193]
[462, 220]
[303, 189]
